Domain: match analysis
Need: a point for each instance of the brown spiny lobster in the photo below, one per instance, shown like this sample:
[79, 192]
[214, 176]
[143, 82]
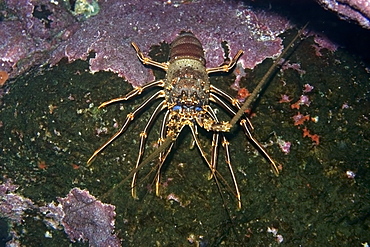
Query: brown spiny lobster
[185, 94]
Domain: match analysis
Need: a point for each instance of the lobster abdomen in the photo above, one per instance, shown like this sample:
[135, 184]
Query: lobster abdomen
[186, 45]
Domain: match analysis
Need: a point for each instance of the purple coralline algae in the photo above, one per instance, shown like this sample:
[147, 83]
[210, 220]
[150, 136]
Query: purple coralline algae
[350, 10]
[54, 215]
[119, 23]
[83, 217]
[108, 34]
[88, 219]
[13, 206]
[29, 31]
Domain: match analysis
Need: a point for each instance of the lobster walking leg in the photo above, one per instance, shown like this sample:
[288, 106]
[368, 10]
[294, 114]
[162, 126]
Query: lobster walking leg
[133, 93]
[143, 137]
[129, 118]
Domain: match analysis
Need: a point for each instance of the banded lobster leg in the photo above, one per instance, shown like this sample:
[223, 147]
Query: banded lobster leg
[130, 116]
[245, 123]
[143, 138]
[167, 132]
[225, 144]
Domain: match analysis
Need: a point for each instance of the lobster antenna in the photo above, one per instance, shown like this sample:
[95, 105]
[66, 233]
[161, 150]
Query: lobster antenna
[264, 80]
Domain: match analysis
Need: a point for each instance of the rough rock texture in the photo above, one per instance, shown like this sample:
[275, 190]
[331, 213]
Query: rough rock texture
[350, 10]
[40, 32]
[88, 219]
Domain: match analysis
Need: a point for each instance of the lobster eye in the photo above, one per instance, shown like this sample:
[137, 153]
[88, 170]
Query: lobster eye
[176, 108]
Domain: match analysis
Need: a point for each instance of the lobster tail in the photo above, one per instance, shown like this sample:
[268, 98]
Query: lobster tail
[186, 45]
